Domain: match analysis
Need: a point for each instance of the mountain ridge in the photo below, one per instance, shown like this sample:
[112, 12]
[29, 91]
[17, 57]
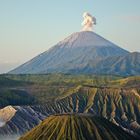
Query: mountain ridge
[64, 126]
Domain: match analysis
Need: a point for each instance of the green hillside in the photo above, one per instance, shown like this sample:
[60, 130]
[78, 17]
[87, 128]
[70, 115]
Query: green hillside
[42, 88]
[132, 81]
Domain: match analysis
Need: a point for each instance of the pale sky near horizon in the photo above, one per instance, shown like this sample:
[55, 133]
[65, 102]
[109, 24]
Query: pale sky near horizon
[30, 27]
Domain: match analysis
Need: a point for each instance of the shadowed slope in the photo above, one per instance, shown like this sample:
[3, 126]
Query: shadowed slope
[76, 127]
[122, 65]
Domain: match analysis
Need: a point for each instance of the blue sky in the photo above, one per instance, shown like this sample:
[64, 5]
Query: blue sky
[29, 27]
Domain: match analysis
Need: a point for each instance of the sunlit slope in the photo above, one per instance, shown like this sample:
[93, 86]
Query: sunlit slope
[133, 81]
[76, 127]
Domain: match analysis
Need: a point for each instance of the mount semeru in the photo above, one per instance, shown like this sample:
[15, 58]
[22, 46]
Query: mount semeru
[86, 53]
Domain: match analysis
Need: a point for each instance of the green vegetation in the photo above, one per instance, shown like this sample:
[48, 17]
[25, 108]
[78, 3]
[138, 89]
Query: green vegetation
[64, 79]
[6, 81]
[43, 88]
[15, 97]
[133, 81]
[76, 127]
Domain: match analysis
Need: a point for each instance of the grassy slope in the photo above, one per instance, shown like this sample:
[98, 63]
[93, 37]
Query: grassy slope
[43, 87]
[132, 81]
[76, 127]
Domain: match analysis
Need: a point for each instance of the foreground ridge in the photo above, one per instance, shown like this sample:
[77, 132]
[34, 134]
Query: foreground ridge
[76, 127]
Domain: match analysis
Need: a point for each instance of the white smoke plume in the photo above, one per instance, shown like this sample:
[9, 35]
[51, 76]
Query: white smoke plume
[88, 22]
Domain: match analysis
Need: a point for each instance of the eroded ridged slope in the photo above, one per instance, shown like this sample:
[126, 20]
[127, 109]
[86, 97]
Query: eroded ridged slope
[76, 127]
[119, 105]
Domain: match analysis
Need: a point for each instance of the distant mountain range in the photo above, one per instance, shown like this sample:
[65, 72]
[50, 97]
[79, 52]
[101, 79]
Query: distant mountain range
[83, 52]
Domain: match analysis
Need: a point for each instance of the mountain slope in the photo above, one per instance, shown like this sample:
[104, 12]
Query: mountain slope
[72, 54]
[76, 127]
[119, 105]
[121, 65]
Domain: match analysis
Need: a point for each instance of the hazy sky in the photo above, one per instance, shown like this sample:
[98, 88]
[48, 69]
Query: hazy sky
[29, 27]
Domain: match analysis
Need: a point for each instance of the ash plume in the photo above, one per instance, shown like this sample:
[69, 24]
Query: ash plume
[88, 22]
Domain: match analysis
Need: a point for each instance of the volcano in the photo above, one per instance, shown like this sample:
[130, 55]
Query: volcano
[85, 53]
[76, 127]
[82, 52]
